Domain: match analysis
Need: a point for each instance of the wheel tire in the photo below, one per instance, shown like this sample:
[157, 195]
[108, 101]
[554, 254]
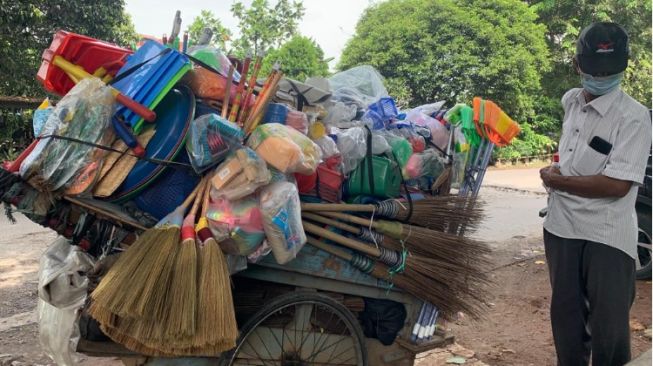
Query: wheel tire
[644, 236]
[300, 298]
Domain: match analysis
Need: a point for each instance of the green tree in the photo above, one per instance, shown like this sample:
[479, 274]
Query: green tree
[263, 27]
[207, 19]
[454, 50]
[27, 27]
[300, 57]
[565, 19]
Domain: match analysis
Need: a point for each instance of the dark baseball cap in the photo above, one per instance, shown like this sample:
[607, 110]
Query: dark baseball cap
[602, 49]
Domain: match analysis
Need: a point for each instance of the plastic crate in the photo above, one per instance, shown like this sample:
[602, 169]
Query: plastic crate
[385, 107]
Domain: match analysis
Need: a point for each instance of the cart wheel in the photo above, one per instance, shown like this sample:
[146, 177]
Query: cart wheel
[300, 329]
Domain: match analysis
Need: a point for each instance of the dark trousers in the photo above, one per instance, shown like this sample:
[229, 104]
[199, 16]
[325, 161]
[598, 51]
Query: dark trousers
[593, 287]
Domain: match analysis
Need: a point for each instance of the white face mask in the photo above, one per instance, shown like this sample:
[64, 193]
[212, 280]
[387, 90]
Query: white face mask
[600, 85]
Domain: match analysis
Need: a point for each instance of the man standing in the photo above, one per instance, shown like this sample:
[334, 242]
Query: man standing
[590, 233]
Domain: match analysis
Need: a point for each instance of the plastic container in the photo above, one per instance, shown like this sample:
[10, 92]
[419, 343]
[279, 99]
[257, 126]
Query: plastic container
[87, 52]
[168, 191]
[386, 175]
[385, 108]
[276, 113]
[329, 184]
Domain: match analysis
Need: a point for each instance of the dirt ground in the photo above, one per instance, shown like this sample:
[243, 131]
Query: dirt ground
[515, 331]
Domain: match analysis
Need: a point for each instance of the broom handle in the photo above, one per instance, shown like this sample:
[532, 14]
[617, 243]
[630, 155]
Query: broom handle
[351, 218]
[260, 100]
[207, 192]
[268, 97]
[227, 92]
[338, 207]
[330, 222]
[350, 243]
[329, 248]
[191, 196]
[198, 197]
[250, 89]
[378, 271]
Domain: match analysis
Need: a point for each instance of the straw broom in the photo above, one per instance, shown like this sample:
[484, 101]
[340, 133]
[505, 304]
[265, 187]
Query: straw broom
[434, 212]
[180, 318]
[124, 284]
[217, 329]
[449, 303]
[415, 236]
[431, 252]
[445, 276]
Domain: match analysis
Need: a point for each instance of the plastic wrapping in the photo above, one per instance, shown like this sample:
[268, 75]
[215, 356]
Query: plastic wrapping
[285, 148]
[460, 157]
[83, 114]
[41, 115]
[365, 80]
[260, 253]
[210, 139]
[401, 148]
[426, 164]
[282, 221]
[240, 175]
[298, 121]
[379, 144]
[431, 109]
[339, 112]
[439, 132]
[352, 144]
[327, 146]
[237, 226]
[62, 292]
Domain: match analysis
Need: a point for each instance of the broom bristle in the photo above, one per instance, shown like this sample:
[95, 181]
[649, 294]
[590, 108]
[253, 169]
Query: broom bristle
[183, 292]
[439, 213]
[118, 286]
[216, 322]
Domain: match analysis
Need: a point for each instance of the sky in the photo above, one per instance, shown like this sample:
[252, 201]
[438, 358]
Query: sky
[329, 22]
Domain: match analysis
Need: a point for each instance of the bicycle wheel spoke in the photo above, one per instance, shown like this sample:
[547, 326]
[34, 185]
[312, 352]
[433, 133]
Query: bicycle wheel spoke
[324, 347]
[333, 359]
[324, 334]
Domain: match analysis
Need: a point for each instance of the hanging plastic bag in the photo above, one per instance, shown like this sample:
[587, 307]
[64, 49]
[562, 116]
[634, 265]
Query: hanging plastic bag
[211, 138]
[285, 148]
[238, 225]
[365, 80]
[240, 175]
[438, 131]
[62, 292]
[282, 220]
[379, 144]
[339, 112]
[426, 164]
[83, 114]
[352, 144]
[460, 157]
[328, 147]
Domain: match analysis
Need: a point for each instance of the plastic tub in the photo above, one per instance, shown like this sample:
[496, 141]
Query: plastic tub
[276, 113]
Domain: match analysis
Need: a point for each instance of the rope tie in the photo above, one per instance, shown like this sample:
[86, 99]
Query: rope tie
[401, 263]
[389, 257]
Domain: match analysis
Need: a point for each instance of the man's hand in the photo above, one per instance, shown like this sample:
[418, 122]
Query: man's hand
[547, 174]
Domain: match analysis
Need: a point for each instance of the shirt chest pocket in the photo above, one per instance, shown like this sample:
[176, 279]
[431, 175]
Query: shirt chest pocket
[587, 161]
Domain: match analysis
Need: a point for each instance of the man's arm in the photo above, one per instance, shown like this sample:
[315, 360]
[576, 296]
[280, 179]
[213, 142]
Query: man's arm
[590, 186]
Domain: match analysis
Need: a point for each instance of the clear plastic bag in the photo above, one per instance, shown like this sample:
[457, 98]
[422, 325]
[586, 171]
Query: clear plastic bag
[401, 148]
[62, 292]
[439, 133]
[282, 221]
[57, 164]
[365, 80]
[240, 175]
[339, 112]
[458, 168]
[327, 146]
[285, 149]
[352, 143]
[379, 144]
[260, 253]
[298, 121]
[210, 139]
[426, 164]
[431, 109]
[238, 225]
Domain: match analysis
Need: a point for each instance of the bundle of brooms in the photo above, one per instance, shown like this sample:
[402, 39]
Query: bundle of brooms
[438, 267]
[151, 300]
[437, 213]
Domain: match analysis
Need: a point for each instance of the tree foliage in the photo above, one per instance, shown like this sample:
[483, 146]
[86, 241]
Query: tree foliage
[207, 19]
[27, 27]
[300, 57]
[454, 49]
[565, 19]
[263, 26]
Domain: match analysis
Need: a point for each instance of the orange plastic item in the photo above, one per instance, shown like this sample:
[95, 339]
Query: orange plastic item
[493, 123]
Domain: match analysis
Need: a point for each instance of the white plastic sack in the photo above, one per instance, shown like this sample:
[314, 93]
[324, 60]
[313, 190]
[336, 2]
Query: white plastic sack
[352, 144]
[62, 292]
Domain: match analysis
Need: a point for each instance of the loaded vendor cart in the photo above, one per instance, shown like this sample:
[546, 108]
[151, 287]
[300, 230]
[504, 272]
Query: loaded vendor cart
[209, 216]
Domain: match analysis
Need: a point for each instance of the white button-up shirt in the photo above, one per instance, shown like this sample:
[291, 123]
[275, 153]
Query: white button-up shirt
[625, 124]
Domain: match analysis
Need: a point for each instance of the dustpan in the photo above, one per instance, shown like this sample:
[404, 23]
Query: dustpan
[175, 112]
[151, 81]
[87, 52]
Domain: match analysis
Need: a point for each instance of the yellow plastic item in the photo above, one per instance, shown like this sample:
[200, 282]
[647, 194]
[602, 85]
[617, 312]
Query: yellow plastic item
[316, 131]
